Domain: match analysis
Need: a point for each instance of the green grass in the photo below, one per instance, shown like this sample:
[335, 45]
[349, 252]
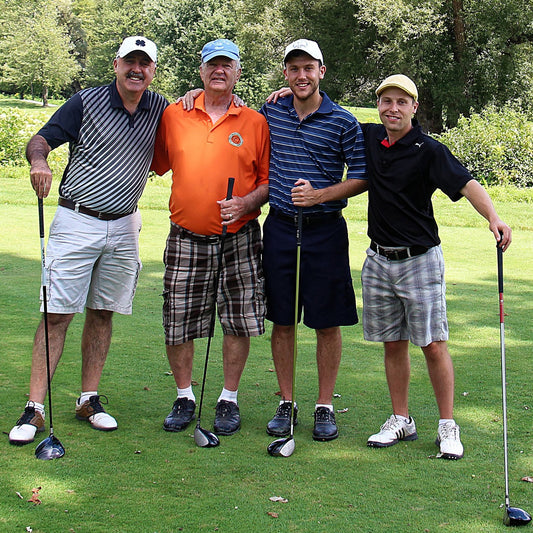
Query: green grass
[142, 479]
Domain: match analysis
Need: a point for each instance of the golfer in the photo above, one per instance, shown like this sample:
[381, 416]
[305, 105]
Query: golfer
[93, 254]
[313, 139]
[403, 274]
[205, 147]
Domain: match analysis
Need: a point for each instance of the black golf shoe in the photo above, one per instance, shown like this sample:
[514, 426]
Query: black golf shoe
[181, 415]
[280, 425]
[227, 418]
[325, 426]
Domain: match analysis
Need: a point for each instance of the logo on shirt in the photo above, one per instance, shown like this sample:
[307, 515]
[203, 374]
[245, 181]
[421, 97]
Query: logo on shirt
[235, 139]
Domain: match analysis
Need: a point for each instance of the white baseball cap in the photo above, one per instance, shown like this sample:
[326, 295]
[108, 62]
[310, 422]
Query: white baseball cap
[131, 44]
[309, 47]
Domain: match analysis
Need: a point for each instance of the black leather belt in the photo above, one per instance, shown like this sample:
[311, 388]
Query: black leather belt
[307, 220]
[69, 204]
[182, 232]
[400, 254]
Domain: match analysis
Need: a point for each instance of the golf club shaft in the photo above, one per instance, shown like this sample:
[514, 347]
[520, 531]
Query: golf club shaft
[296, 310]
[45, 311]
[504, 374]
[229, 194]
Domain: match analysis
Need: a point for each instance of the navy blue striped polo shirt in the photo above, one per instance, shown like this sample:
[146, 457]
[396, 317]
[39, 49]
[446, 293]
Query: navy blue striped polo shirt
[317, 149]
[110, 150]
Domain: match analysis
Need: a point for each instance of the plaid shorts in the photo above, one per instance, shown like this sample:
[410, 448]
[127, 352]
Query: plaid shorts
[405, 300]
[190, 271]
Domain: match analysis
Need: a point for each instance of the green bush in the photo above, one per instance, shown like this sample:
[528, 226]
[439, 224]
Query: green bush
[496, 145]
[16, 129]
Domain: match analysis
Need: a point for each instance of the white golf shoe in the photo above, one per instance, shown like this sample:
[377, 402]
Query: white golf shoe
[92, 411]
[449, 441]
[30, 422]
[392, 431]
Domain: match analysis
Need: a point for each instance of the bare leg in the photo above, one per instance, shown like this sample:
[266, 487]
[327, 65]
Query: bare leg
[398, 372]
[57, 330]
[235, 350]
[180, 358]
[328, 357]
[440, 368]
[95, 342]
[282, 344]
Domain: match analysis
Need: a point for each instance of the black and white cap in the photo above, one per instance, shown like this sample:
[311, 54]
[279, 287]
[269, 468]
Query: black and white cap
[131, 44]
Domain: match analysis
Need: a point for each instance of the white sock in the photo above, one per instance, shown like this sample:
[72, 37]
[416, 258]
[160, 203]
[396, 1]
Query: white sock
[186, 393]
[281, 402]
[330, 407]
[37, 406]
[228, 395]
[84, 396]
[443, 421]
[406, 419]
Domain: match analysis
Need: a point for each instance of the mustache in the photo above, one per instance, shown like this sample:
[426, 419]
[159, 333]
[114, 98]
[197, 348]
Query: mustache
[132, 75]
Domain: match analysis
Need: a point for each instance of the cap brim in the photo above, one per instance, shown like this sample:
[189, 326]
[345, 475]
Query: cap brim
[212, 55]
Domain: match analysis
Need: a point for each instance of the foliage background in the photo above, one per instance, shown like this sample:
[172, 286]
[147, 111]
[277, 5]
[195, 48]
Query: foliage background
[463, 54]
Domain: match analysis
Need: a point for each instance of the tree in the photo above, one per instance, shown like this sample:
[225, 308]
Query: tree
[36, 51]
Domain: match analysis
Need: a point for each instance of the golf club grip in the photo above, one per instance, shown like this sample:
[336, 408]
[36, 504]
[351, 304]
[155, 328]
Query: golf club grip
[41, 217]
[500, 268]
[299, 227]
[229, 193]
[229, 196]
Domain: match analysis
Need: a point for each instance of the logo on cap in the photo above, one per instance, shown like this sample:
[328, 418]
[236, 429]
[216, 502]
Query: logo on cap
[140, 42]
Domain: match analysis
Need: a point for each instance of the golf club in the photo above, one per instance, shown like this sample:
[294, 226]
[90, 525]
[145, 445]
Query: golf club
[49, 448]
[285, 447]
[203, 437]
[513, 515]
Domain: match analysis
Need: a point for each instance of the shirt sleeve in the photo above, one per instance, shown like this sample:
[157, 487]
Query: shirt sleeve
[64, 125]
[354, 148]
[160, 162]
[264, 153]
[448, 173]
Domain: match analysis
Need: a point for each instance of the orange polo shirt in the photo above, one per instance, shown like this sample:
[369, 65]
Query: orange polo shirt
[203, 156]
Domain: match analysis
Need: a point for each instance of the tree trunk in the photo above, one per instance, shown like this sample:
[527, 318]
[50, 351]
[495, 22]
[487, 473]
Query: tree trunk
[45, 96]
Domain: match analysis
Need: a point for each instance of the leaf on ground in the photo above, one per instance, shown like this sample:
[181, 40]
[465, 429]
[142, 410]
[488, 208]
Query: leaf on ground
[528, 479]
[278, 499]
[35, 496]
[272, 514]
[19, 495]
[342, 410]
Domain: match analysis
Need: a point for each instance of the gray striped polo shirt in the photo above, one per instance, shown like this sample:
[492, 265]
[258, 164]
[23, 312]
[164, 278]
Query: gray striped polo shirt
[110, 150]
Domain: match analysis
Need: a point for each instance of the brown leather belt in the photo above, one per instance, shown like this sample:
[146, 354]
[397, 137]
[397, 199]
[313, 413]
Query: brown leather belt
[69, 204]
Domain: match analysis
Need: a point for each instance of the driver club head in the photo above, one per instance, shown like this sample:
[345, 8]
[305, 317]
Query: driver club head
[204, 438]
[49, 448]
[516, 517]
[281, 447]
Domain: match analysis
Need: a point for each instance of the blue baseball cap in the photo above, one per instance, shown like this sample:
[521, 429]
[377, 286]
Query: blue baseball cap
[220, 47]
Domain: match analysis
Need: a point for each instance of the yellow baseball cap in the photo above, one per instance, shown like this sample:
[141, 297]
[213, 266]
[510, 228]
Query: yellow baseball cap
[401, 82]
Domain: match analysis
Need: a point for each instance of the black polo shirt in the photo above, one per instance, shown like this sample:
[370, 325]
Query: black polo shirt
[401, 180]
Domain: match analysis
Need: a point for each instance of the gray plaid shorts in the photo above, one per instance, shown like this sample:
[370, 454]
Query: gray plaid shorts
[405, 300]
[190, 271]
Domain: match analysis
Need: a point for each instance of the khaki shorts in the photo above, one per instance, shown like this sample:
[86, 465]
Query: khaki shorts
[92, 263]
